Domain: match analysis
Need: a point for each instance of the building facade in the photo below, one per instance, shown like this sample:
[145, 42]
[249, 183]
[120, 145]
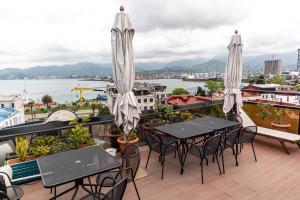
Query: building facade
[298, 61]
[273, 67]
[14, 105]
[10, 117]
[146, 95]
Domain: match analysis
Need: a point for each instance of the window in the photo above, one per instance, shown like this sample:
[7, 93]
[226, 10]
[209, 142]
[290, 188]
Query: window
[145, 100]
[12, 105]
[151, 99]
[145, 107]
[2, 105]
[139, 100]
[151, 107]
[157, 96]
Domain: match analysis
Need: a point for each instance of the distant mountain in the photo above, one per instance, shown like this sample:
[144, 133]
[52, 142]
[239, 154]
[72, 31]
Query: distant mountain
[64, 71]
[212, 66]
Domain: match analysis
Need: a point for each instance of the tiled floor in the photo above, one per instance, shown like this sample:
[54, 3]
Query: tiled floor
[275, 176]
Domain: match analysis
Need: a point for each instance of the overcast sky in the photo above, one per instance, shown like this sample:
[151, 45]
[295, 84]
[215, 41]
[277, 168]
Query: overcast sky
[46, 32]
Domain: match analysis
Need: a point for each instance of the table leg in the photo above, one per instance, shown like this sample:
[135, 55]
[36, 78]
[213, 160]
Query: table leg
[182, 153]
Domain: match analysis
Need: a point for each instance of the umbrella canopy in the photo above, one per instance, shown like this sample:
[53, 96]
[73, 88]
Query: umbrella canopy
[126, 109]
[233, 75]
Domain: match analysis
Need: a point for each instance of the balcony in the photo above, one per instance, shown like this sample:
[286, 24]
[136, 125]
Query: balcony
[274, 176]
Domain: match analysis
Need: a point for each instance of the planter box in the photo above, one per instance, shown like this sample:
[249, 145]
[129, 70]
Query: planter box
[24, 172]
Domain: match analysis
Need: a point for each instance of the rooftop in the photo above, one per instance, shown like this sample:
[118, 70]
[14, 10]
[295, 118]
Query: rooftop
[6, 112]
[275, 176]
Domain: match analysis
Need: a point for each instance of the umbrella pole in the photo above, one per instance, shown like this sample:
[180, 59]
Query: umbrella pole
[234, 106]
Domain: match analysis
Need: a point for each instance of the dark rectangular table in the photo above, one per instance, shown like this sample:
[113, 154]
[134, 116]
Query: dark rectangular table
[74, 166]
[214, 122]
[184, 131]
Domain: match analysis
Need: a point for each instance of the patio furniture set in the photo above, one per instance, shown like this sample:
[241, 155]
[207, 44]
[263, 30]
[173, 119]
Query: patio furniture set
[183, 138]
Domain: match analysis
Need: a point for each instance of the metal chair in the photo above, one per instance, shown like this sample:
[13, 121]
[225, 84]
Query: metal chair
[176, 119]
[204, 148]
[230, 141]
[247, 136]
[130, 166]
[157, 145]
[117, 192]
[11, 192]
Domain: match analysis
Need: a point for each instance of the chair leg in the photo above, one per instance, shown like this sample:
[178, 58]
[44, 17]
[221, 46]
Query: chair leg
[216, 155]
[148, 159]
[163, 166]
[236, 155]
[137, 192]
[253, 151]
[223, 162]
[201, 164]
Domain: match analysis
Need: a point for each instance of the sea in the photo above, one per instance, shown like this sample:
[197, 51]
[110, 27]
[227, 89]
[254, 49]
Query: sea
[60, 89]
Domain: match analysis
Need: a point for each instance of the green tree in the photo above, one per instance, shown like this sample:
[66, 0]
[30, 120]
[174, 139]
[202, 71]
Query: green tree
[179, 91]
[47, 100]
[200, 92]
[298, 87]
[75, 107]
[93, 106]
[212, 86]
[31, 104]
[276, 80]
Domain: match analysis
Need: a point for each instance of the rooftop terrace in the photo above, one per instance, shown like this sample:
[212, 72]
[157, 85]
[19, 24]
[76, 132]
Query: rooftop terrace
[275, 176]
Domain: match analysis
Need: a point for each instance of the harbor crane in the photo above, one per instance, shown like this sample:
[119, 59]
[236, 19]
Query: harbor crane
[82, 89]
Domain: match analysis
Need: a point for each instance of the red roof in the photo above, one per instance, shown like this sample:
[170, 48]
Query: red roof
[180, 100]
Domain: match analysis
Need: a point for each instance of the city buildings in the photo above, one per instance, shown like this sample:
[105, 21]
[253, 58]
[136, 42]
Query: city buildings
[10, 117]
[273, 67]
[12, 110]
[146, 94]
[180, 101]
[298, 61]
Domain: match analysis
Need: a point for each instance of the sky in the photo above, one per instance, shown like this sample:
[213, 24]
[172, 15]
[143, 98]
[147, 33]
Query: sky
[57, 32]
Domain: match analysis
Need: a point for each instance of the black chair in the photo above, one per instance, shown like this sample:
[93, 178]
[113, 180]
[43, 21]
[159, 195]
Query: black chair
[130, 166]
[176, 119]
[11, 192]
[161, 147]
[204, 148]
[247, 136]
[230, 141]
[117, 192]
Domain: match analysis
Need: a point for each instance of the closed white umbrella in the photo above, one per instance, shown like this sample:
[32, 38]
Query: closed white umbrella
[233, 75]
[126, 109]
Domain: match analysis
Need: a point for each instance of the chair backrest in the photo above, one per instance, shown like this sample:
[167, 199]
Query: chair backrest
[248, 134]
[64, 144]
[212, 144]
[234, 117]
[232, 136]
[131, 158]
[155, 122]
[176, 119]
[117, 191]
[3, 189]
[151, 140]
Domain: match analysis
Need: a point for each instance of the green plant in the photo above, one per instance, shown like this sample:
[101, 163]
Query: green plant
[216, 110]
[179, 91]
[40, 151]
[213, 86]
[63, 145]
[165, 112]
[79, 133]
[102, 109]
[186, 115]
[264, 110]
[276, 80]
[47, 100]
[132, 135]
[278, 115]
[22, 148]
[201, 92]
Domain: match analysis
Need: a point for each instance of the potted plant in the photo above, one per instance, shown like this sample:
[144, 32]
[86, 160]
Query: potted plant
[132, 138]
[279, 122]
[264, 110]
[80, 134]
[22, 150]
[41, 145]
[114, 133]
[185, 115]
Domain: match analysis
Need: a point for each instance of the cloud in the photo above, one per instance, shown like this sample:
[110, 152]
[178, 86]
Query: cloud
[60, 32]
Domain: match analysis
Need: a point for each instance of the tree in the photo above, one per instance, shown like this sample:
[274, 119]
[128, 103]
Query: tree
[200, 92]
[93, 106]
[276, 80]
[179, 91]
[298, 87]
[47, 100]
[75, 107]
[212, 87]
[31, 104]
